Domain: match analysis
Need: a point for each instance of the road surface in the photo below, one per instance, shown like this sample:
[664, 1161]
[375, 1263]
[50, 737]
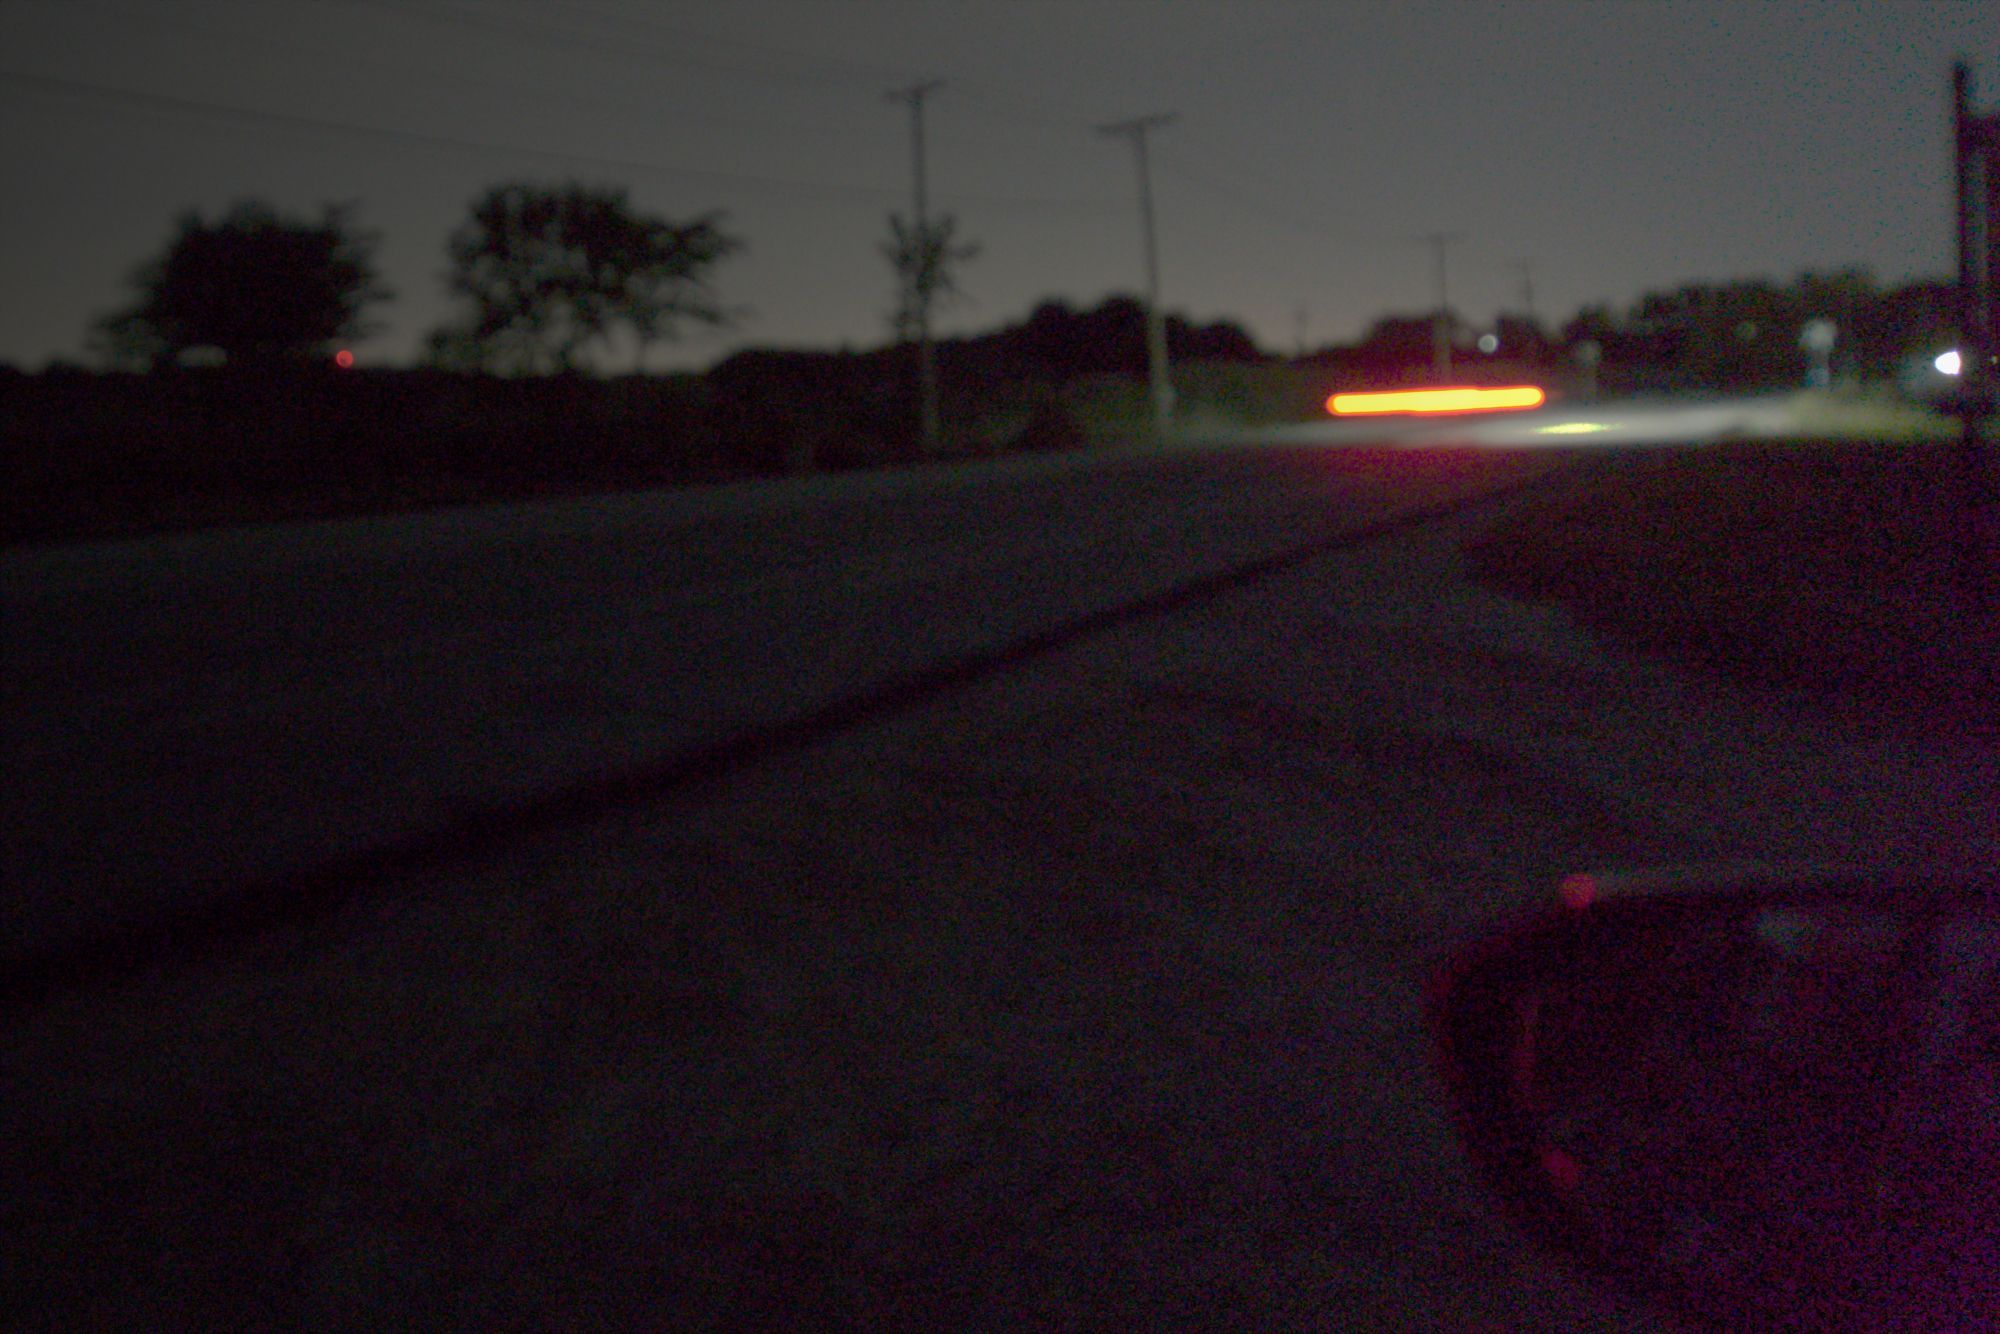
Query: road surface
[1073, 987]
[1665, 420]
[185, 714]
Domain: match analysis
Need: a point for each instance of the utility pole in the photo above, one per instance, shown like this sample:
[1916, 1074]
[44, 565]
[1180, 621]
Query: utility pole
[927, 390]
[1441, 322]
[1156, 325]
[1526, 268]
[1976, 154]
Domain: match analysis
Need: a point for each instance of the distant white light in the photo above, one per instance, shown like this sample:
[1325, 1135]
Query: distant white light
[1948, 363]
[1488, 343]
[1573, 428]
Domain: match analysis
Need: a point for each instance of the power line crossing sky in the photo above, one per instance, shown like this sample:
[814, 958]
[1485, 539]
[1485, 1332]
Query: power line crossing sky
[1623, 146]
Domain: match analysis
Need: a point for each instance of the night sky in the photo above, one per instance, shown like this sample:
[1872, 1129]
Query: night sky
[1617, 146]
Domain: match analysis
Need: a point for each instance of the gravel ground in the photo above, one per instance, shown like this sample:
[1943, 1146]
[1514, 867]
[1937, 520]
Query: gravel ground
[1084, 996]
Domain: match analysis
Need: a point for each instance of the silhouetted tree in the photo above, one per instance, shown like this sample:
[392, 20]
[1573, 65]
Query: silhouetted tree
[1594, 322]
[1041, 344]
[549, 271]
[923, 256]
[1722, 335]
[1394, 339]
[925, 260]
[1224, 340]
[1057, 342]
[1918, 317]
[1520, 338]
[1746, 333]
[253, 287]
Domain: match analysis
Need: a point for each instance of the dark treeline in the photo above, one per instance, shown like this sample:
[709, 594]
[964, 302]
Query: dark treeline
[106, 453]
[1743, 335]
[1015, 388]
[1747, 335]
[103, 453]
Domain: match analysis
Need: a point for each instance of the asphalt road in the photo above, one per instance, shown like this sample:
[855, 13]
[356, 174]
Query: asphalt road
[187, 714]
[1076, 987]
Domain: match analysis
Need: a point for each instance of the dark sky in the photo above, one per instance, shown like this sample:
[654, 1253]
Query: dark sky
[1617, 145]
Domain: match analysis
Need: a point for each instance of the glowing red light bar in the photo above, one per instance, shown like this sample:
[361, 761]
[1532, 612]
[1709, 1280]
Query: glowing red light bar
[1512, 398]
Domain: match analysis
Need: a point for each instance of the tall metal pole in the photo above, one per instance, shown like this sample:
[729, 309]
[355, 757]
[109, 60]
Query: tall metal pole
[1971, 306]
[927, 389]
[1986, 384]
[1441, 322]
[1156, 321]
[1976, 152]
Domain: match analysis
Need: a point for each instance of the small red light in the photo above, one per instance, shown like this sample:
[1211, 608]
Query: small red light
[343, 359]
[1577, 891]
[1564, 1171]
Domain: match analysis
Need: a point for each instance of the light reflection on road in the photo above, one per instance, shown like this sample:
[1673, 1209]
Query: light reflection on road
[1661, 421]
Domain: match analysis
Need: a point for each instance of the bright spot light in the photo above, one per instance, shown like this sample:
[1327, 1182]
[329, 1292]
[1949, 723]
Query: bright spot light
[1949, 363]
[343, 359]
[1511, 398]
[1488, 344]
[1572, 428]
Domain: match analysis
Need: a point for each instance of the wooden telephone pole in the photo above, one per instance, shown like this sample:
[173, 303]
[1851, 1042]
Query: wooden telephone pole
[1441, 322]
[1156, 321]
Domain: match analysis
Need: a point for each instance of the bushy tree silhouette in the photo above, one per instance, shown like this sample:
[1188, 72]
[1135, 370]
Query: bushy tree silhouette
[925, 260]
[548, 271]
[254, 287]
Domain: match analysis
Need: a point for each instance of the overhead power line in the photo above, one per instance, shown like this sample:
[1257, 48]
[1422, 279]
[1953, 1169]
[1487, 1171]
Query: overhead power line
[871, 195]
[833, 65]
[999, 104]
[987, 102]
[176, 22]
[391, 134]
[1258, 205]
[544, 36]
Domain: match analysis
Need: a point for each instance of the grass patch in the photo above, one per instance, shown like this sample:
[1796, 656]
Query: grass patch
[1869, 414]
[1822, 571]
